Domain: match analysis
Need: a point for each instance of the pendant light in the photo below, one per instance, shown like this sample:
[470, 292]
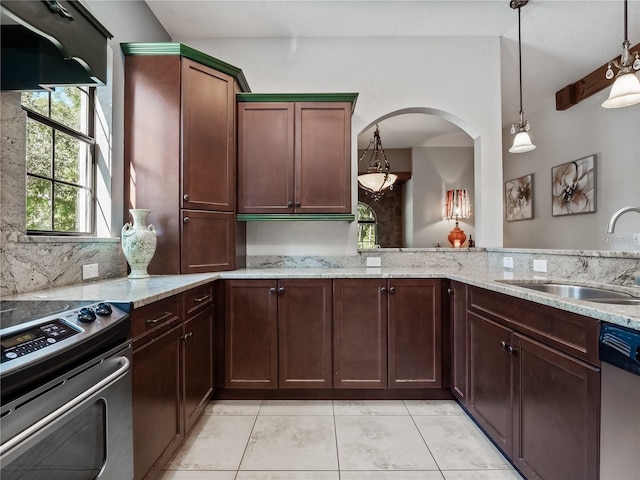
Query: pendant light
[378, 177]
[626, 88]
[522, 141]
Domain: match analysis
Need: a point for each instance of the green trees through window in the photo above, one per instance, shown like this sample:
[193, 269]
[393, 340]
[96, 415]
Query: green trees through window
[367, 234]
[60, 169]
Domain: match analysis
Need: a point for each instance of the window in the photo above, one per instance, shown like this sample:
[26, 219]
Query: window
[60, 166]
[367, 227]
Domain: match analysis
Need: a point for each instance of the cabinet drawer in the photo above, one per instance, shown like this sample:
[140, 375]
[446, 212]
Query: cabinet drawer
[196, 299]
[568, 332]
[155, 318]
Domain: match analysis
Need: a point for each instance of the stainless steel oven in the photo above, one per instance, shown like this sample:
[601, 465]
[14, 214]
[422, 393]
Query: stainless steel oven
[66, 396]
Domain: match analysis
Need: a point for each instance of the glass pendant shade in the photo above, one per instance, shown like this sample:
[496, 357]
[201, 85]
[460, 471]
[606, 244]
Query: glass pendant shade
[522, 143]
[624, 92]
[376, 182]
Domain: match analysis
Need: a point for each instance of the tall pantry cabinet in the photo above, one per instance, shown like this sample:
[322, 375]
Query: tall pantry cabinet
[180, 153]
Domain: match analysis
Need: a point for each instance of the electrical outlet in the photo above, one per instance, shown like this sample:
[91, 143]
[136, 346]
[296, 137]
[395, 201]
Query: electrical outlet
[636, 238]
[89, 271]
[374, 262]
[539, 265]
[507, 262]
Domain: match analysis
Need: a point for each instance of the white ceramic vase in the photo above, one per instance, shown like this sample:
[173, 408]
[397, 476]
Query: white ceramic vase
[138, 243]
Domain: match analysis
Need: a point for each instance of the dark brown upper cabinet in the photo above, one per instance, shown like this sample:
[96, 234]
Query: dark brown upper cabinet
[180, 155]
[294, 153]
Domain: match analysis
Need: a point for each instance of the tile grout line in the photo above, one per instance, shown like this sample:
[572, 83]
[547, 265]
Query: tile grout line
[335, 431]
[423, 439]
[248, 440]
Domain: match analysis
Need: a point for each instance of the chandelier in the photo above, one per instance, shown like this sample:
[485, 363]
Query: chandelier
[522, 141]
[626, 88]
[378, 177]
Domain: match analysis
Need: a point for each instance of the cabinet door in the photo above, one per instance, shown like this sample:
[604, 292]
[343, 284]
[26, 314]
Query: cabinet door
[208, 137]
[415, 336]
[251, 334]
[459, 341]
[265, 157]
[207, 241]
[304, 333]
[556, 413]
[157, 416]
[360, 333]
[323, 157]
[198, 364]
[490, 379]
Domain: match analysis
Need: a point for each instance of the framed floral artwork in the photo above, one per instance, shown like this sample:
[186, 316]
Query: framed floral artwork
[518, 198]
[573, 187]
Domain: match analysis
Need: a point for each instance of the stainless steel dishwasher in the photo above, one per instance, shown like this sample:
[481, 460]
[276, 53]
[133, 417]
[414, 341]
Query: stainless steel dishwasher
[620, 395]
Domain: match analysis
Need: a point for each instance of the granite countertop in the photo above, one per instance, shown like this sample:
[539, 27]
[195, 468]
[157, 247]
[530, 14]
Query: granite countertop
[144, 291]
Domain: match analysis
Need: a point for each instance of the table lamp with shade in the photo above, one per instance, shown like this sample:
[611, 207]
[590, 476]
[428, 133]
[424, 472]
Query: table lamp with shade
[457, 205]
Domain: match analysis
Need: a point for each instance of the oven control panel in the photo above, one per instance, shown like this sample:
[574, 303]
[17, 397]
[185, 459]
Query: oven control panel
[35, 338]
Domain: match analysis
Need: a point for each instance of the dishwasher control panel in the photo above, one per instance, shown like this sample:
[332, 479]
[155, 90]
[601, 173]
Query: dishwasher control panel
[620, 347]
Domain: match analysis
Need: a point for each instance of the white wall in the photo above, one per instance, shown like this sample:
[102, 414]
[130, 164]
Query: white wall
[562, 136]
[436, 170]
[390, 74]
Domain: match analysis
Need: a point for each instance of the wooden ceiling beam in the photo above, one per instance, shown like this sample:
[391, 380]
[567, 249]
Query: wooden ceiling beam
[585, 87]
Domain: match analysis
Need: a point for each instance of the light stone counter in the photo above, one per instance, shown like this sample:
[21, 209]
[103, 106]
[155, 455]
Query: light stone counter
[143, 292]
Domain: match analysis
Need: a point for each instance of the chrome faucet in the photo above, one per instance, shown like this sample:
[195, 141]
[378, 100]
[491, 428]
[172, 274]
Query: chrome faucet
[618, 214]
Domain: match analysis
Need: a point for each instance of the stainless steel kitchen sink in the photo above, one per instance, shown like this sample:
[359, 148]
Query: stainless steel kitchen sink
[578, 292]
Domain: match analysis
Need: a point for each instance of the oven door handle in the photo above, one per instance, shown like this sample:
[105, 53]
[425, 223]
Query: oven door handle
[31, 431]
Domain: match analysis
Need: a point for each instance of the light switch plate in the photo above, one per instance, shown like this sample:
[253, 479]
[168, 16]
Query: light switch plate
[539, 265]
[374, 262]
[507, 262]
[636, 238]
[89, 271]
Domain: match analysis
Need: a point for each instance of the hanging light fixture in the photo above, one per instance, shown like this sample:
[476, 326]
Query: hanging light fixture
[626, 88]
[378, 177]
[522, 141]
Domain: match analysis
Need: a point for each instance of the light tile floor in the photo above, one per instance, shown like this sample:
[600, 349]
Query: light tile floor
[337, 440]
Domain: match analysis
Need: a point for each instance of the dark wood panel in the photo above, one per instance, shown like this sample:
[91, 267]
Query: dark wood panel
[208, 136]
[157, 414]
[208, 240]
[360, 333]
[568, 332]
[197, 365]
[556, 414]
[265, 157]
[323, 157]
[415, 335]
[490, 379]
[152, 151]
[151, 320]
[335, 394]
[251, 334]
[459, 341]
[304, 333]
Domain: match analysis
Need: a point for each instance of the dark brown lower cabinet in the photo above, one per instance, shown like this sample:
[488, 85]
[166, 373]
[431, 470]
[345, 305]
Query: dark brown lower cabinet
[278, 334]
[415, 336]
[304, 334]
[459, 341]
[157, 418]
[360, 333]
[538, 403]
[556, 413]
[251, 334]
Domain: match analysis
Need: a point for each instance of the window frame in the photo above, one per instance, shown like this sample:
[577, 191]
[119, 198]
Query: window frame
[90, 140]
[363, 222]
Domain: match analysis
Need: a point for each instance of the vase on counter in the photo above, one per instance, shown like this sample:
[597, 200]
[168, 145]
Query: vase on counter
[139, 243]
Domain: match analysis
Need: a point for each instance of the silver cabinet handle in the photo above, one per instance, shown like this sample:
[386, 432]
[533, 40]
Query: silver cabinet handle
[297, 204]
[509, 348]
[289, 204]
[450, 291]
[186, 337]
[185, 220]
[186, 197]
[392, 289]
[272, 290]
[201, 299]
[281, 290]
[153, 321]
[383, 289]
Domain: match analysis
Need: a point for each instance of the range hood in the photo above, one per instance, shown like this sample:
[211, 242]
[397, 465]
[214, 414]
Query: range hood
[51, 43]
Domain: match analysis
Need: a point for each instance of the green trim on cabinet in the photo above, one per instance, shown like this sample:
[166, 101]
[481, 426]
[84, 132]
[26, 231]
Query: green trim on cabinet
[298, 97]
[295, 217]
[174, 48]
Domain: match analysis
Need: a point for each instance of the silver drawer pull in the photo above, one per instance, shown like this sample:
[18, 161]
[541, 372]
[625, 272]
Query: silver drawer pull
[201, 299]
[153, 321]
